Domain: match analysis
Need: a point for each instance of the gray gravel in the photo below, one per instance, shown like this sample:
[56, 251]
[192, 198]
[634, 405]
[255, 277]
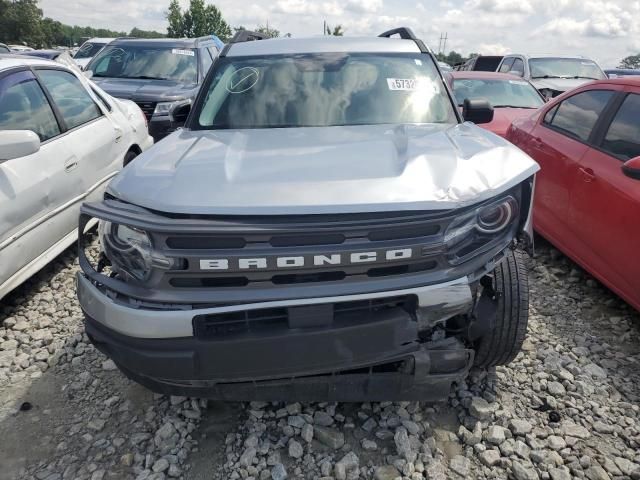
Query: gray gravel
[568, 407]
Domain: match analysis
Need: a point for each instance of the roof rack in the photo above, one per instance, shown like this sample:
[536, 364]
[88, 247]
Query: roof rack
[406, 33]
[248, 36]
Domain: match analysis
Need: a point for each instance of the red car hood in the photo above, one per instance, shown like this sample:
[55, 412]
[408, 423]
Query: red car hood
[502, 118]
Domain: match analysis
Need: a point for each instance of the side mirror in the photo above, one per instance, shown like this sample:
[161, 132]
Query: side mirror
[180, 113]
[477, 111]
[631, 168]
[18, 143]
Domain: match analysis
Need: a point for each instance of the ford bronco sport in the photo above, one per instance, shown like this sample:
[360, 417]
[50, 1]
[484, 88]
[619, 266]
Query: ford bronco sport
[325, 226]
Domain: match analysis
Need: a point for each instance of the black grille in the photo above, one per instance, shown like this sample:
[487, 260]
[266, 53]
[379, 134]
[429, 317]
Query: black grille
[147, 108]
[254, 321]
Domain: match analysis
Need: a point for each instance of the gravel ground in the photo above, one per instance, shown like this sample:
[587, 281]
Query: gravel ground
[568, 407]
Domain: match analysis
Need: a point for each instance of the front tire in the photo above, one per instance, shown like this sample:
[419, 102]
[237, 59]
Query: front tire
[501, 345]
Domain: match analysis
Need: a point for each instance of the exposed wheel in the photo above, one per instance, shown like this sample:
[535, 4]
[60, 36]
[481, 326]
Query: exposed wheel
[129, 156]
[501, 345]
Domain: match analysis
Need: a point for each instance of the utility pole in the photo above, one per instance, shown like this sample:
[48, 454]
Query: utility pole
[324, 27]
[442, 45]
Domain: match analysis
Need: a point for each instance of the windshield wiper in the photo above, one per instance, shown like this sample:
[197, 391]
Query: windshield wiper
[587, 78]
[511, 106]
[147, 77]
[549, 76]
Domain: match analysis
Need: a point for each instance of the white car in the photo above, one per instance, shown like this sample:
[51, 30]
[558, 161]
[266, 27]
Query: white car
[90, 49]
[20, 48]
[62, 138]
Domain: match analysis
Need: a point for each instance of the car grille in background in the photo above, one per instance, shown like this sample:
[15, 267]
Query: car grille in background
[147, 108]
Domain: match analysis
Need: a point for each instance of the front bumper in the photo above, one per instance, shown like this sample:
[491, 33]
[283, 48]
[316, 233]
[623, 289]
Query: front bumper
[160, 127]
[375, 356]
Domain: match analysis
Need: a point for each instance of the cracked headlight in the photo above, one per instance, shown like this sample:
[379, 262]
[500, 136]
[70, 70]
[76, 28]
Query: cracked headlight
[130, 250]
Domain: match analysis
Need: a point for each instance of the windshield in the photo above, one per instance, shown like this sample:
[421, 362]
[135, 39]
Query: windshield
[565, 68]
[146, 62]
[499, 93]
[88, 50]
[318, 90]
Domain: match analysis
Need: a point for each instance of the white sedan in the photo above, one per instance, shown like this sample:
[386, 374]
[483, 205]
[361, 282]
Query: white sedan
[62, 139]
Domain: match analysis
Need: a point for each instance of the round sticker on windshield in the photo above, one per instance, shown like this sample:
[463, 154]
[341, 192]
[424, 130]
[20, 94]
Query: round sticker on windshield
[243, 80]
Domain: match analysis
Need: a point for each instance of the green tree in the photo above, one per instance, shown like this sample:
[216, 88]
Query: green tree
[632, 61]
[337, 31]
[196, 21]
[139, 33]
[20, 22]
[267, 30]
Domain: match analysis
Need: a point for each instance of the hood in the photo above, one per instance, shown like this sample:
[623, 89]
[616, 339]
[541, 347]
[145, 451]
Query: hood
[559, 84]
[322, 170]
[503, 117]
[147, 90]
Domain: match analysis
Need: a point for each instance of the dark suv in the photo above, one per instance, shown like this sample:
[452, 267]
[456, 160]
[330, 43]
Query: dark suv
[160, 75]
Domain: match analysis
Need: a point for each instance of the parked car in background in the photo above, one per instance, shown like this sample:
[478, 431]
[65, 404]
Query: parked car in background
[160, 75]
[587, 200]
[90, 49]
[61, 140]
[481, 63]
[445, 67]
[4, 48]
[511, 97]
[552, 74]
[60, 56]
[20, 48]
[621, 72]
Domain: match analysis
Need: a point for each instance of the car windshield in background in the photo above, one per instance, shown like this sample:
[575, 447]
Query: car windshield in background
[89, 50]
[500, 93]
[318, 90]
[146, 62]
[565, 68]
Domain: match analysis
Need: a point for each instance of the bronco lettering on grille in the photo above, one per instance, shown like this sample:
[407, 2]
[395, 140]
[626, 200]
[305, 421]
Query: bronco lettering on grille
[276, 262]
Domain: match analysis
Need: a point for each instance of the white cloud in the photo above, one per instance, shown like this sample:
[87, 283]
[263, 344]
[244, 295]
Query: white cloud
[606, 30]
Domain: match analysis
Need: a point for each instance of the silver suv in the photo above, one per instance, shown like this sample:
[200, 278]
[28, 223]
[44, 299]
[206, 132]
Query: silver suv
[325, 226]
[552, 75]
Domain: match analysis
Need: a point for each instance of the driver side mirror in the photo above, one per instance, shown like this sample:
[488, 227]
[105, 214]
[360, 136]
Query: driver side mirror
[18, 143]
[477, 110]
[181, 113]
[631, 168]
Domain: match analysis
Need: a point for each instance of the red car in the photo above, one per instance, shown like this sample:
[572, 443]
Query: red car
[510, 96]
[587, 199]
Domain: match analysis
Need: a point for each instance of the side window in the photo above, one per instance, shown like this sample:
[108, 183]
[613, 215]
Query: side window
[23, 106]
[578, 115]
[74, 103]
[623, 138]
[506, 65]
[518, 67]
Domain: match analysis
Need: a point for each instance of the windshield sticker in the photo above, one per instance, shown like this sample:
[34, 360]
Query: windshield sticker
[590, 64]
[242, 80]
[177, 51]
[407, 84]
[517, 82]
[418, 61]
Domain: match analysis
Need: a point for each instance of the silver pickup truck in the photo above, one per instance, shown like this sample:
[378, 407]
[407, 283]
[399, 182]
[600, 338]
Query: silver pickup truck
[326, 226]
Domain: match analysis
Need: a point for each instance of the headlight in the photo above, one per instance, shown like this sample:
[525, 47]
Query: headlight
[486, 220]
[130, 250]
[495, 218]
[165, 108]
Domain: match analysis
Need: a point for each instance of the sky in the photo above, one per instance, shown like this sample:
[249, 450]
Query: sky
[604, 30]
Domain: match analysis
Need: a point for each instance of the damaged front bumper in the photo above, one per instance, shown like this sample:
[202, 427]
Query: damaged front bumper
[348, 348]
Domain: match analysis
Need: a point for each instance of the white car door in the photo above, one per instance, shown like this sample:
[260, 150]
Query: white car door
[95, 139]
[36, 190]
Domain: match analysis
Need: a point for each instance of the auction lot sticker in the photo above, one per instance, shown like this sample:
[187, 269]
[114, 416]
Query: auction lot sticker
[407, 84]
[242, 80]
[178, 51]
